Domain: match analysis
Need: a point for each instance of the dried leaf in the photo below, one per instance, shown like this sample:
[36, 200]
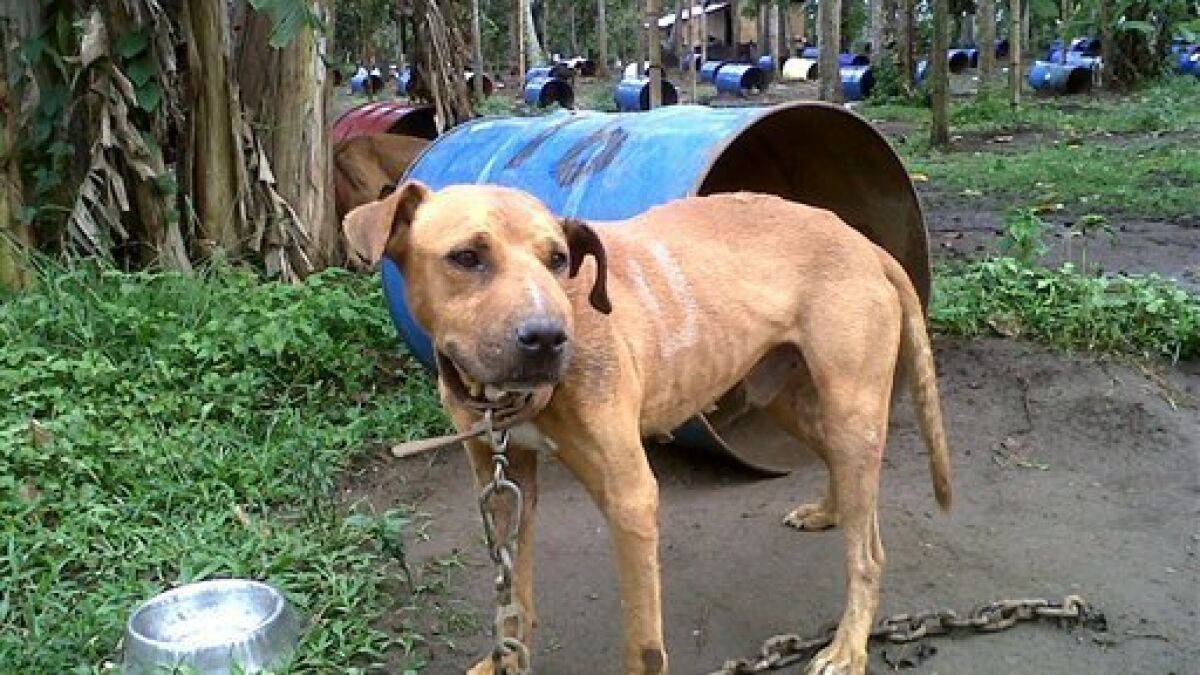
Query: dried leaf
[40, 434]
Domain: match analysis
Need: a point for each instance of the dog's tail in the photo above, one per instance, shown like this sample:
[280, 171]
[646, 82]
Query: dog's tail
[917, 360]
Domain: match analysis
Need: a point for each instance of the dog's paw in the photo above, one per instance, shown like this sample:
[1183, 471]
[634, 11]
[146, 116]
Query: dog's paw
[508, 665]
[484, 667]
[810, 517]
[835, 661]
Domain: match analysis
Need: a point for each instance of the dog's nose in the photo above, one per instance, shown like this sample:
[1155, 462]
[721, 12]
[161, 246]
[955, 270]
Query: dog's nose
[541, 337]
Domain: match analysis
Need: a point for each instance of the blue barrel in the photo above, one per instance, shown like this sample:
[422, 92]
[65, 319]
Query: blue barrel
[853, 60]
[1075, 59]
[766, 64]
[612, 166]
[972, 57]
[921, 72]
[738, 78]
[708, 71]
[857, 82]
[557, 71]
[1001, 48]
[358, 83]
[959, 60]
[544, 91]
[1089, 46]
[813, 53]
[634, 95]
[1189, 63]
[1057, 78]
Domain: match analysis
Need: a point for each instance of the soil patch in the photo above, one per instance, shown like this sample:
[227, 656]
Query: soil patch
[1072, 475]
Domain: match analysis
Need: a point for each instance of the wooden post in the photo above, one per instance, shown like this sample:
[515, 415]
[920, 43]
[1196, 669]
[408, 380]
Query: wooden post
[655, 47]
[601, 40]
[1014, 52]
[521, 65]
[829, 14]
[939, 75]
[986, 43]
[476, 49]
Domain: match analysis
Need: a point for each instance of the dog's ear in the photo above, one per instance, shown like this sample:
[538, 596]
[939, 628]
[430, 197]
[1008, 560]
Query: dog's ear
[381, 227]
[583, 241]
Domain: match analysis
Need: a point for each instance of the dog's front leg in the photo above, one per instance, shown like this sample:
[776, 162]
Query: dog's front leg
[612, 466]
[522, 470]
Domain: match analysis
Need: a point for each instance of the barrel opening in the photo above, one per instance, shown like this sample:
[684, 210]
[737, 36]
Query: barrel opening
[1079, 80]
[846, 167]
[546, 91]
[488, 86]
[959, 60]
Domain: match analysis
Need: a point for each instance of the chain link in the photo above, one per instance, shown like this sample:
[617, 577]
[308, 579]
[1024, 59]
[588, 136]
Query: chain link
[780, 651]
[503, 552]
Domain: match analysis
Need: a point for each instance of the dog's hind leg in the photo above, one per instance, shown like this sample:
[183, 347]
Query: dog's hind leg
[852, 358]
[795, 410]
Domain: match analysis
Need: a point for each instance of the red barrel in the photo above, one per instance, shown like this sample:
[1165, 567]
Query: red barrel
[386, 117]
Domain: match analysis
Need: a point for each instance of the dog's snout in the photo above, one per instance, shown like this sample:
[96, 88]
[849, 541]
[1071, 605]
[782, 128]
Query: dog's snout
[541, 337]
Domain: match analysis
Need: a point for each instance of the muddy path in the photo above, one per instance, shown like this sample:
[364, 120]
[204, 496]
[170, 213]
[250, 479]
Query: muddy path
[1072, 475]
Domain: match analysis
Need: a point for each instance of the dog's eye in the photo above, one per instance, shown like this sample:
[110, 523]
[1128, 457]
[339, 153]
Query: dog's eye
[558, 261]
[466, 259]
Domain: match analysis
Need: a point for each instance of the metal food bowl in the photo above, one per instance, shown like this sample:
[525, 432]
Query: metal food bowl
[212, 627]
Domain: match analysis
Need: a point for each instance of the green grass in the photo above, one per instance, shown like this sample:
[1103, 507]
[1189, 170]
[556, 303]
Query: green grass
[1145, 178]
[1143, 316]
[1170, 104]
[159, 429]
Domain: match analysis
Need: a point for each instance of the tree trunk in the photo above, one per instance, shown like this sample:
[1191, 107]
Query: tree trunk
[653, 9]
[829, 13]
[534, 56]
[906, 39]
[287, 102]
[987, 43]
[677, 32]
[735, 28]
[574, 29]
[16, 236]
[1065, 31]
[1106, 40]
[781, 35]
[1014, 52]
[939, 74]
[878, 33]
[477, 49]
[214, 174]
[601, 41]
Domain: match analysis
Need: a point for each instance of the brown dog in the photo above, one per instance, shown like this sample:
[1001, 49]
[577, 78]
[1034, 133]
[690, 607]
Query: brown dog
[683, 303]
[364, 165]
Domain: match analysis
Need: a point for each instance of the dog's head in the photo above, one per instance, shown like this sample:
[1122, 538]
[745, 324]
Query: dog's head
[486, 270]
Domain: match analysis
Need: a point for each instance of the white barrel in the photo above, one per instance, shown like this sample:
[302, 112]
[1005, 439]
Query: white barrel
[797, 68]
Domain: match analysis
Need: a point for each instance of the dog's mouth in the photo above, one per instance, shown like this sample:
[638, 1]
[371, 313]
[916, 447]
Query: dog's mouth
[473, 393]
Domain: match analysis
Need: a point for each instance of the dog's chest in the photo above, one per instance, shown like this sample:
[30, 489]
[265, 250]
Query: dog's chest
[527, 435]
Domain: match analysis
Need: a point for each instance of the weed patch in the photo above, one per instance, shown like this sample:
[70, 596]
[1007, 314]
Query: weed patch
[1144, 316]
[160, 429]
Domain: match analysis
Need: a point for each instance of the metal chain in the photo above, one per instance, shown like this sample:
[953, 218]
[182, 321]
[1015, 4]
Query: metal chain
[781, 651]
[503, 551]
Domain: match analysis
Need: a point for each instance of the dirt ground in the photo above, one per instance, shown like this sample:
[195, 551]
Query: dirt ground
[1073, 475]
